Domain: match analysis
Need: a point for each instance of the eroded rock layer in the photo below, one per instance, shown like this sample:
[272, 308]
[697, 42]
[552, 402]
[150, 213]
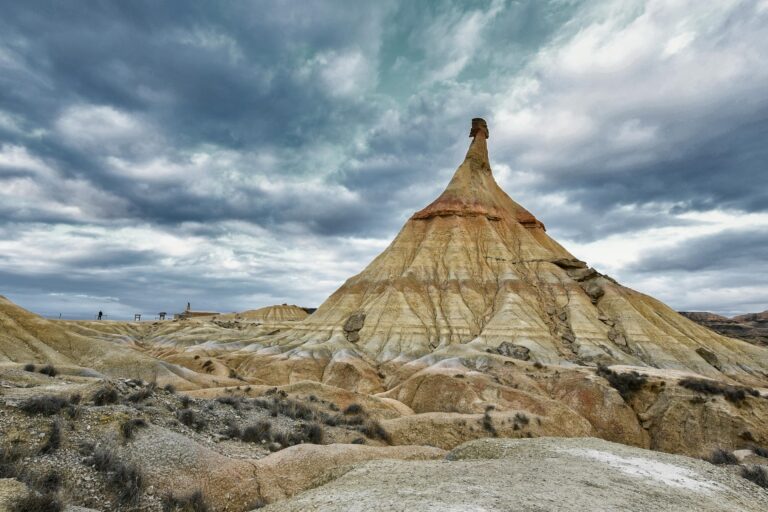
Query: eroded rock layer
[476, 267]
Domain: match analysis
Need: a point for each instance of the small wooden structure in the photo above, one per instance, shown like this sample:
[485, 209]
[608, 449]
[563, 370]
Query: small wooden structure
[137, 317]
[161, 315]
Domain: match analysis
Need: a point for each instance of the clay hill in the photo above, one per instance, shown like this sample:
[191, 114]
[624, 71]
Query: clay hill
[475, 268]
[472, 356]
[752, 327]
[277, 313]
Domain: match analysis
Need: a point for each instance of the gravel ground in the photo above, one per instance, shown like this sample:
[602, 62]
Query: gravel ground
[82, 423]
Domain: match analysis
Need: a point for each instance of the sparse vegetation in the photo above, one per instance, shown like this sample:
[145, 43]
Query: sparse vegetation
[625, 383]
[48, 370]
[722, 457]
[229, 400]
[8, 462]
[104, 396]
[257, 504]
[313, 433]
[194, 502]
[354, 409]
[128, 427]
[125, 478]
[733, 394]
[373, 430]
[49, 482]
[520, 421]
[760, 451]
[488, 421]
[169, 388]
[53, 440]
[36, 502]
[141, 394]
[29, 367]
[191, 419]
[258, 432]
[755, 474]
[47, 405]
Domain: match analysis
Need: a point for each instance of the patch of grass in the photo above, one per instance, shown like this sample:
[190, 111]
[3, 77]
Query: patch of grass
[49, 482]
[48, 370]
[312, 433]
[257, 504]
[733, 394]
[232, 431]
[194, 502]
[35, 502]
[538, 365]
[53, 440]
[104, 396]
[124, 478]
[755, 474]
[625, 383]
[232, 401]
[521, 420]
[9, 458]
[292, 409]
[128, 427]
[373, 430]
[760, 451]
[170, 388]
[29, 367]
[722, 457]
[185, 401]
[354, 409]
[47, 405]
[191, 419]
[141, 394]
[488, 421]
[258, 432]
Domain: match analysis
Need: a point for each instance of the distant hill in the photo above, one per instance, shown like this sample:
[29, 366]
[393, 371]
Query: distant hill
[752, 327]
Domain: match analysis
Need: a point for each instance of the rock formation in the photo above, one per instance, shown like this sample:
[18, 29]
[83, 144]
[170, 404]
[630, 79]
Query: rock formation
[752, 327]
[472, 324]
[542, 474]
[474, 267]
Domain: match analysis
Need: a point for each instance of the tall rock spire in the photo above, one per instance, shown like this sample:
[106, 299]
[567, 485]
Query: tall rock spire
[477, 154]
[474, 267]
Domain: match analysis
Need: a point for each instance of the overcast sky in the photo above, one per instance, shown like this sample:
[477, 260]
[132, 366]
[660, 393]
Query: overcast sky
[241, 154]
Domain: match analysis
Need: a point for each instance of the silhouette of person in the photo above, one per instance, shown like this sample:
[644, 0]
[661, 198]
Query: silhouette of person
[100, 315]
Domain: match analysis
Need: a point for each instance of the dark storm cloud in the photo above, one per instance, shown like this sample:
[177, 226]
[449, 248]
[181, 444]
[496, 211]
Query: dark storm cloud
[128, 129]
[732, 249]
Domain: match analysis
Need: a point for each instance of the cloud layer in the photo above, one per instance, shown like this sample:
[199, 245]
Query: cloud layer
[251, 153]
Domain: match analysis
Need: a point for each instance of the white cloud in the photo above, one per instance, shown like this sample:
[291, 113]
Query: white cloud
[103, 128]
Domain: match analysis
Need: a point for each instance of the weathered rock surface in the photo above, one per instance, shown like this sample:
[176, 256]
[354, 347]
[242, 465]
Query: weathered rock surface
[536, 474]
[476, 267]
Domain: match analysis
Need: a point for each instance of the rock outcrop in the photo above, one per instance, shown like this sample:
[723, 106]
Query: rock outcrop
[752, 327]
[547, 474]
[475, 267]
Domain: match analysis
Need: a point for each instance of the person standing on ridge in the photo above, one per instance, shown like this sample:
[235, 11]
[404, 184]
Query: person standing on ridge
[100, 314]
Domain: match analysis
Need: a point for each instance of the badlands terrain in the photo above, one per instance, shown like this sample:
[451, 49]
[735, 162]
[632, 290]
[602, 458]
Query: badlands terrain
[474, 365]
